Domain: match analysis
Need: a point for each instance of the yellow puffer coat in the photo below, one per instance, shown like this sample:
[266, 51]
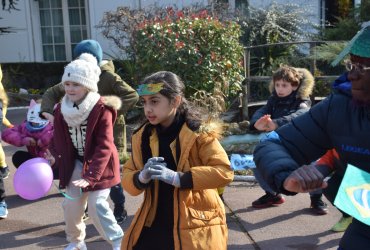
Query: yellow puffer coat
[199, 214]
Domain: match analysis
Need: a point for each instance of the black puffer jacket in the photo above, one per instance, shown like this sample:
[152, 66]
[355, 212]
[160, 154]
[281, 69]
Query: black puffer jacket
[284, 109]
[336, 122]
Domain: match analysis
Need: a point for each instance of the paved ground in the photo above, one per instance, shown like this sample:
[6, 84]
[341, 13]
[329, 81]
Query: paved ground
[39, 224]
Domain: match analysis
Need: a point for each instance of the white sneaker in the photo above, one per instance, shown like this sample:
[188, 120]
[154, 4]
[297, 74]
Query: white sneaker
[76, 246]
[117, 244]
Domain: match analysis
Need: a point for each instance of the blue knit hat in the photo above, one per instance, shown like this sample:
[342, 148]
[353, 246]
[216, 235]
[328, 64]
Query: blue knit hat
[358, 46]
[88, 46]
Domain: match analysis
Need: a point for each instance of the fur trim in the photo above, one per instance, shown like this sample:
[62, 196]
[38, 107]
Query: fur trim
[212, 127]
[112, 101]
[306, 84]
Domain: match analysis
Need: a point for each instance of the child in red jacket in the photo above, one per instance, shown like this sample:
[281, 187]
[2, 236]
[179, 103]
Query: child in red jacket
[84, 152]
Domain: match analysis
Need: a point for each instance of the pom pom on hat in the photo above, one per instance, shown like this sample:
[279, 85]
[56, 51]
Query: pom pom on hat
[88, 46]
[84, 70]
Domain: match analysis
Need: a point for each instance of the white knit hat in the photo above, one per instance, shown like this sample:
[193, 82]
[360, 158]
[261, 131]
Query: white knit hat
[84, 70]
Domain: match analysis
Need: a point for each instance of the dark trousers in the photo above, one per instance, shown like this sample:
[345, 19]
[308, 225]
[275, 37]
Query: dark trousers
[116, 194]
[333, 185]
[2, 189]
[21, 156]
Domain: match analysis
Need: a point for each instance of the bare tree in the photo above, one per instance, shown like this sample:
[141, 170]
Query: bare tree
[8, 5]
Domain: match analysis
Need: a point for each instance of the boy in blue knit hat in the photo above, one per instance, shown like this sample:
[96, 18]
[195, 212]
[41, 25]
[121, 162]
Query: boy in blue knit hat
[109, 84]
[89, 46]
[341, 122]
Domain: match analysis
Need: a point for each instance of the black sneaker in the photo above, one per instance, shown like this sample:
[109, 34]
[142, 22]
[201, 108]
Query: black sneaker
[120, 214]
[5, 172]
[86, 216]
[268, 200]
[318, 206]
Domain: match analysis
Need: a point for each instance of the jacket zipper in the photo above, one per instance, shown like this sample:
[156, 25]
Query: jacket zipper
[141, 210]
[178, 218]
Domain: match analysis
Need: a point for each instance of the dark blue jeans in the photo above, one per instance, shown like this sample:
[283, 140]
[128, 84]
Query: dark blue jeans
[2, 189]
[117, 196]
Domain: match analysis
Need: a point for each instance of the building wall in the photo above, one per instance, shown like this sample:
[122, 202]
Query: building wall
[25, 44]
[97, 8]
[17, 46]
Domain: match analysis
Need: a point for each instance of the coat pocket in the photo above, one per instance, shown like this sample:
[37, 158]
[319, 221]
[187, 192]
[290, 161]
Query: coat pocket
[203, 215]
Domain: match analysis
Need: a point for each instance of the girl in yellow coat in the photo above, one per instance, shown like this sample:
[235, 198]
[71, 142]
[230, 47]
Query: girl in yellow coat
[178, 162]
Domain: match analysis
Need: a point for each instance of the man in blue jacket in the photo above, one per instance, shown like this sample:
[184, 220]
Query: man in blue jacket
[342, 122]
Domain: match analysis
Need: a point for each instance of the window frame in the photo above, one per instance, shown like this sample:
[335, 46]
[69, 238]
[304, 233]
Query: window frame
[68, 45]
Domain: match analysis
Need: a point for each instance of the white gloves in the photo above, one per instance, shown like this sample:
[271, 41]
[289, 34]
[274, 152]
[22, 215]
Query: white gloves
[155, 169]
[144, 176]
[162, 173]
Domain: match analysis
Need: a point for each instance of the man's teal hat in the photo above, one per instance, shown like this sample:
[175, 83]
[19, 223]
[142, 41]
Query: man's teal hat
[358, 46]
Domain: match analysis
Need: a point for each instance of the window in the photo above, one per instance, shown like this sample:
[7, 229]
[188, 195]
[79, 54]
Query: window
[63, 25]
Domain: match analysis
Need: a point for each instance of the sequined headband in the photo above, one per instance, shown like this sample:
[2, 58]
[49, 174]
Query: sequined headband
[149, 89]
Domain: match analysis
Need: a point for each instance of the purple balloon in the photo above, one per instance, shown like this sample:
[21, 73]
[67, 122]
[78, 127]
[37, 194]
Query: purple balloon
[33, 179]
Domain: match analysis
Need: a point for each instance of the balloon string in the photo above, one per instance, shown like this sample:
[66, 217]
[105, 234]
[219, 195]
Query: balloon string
[66, 195]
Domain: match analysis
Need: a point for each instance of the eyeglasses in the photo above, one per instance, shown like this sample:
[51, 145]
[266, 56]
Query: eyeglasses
[360, 68]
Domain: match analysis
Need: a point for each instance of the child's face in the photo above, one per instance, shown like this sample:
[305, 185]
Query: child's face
[284, 88]
[159, 109]
[75, 91]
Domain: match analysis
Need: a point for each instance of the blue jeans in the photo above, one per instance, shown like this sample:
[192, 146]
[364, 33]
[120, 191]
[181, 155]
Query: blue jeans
[117, 196]
[265, 186]
[99, 211]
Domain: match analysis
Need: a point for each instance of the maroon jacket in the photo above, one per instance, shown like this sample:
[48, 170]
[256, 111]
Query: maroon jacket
[101, 163]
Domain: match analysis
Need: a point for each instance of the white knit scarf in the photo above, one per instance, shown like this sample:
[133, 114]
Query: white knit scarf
[73, 115]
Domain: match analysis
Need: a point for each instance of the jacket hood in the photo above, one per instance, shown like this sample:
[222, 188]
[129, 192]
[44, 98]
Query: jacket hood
[343, 85]
[211, 127]
[106, 65]
[305, 87]
[112, 101]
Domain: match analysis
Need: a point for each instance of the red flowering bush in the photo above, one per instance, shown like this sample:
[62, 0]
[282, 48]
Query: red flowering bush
[204, 51]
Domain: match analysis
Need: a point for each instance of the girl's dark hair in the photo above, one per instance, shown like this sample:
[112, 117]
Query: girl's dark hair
[172, 87]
